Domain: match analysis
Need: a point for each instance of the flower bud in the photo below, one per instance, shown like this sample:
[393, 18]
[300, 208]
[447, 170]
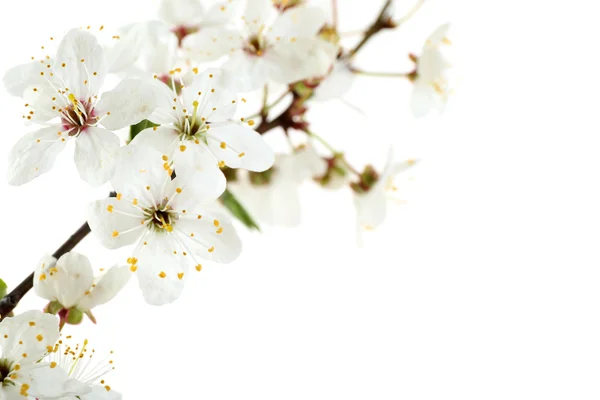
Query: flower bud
[335, 176]
[53, 307]
[74, 316]
[367, 179]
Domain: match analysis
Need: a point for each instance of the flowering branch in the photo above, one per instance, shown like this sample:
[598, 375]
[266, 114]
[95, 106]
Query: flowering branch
[382, 22]
[10, 301]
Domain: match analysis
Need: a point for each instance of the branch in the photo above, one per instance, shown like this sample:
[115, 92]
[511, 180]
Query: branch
[382, 22]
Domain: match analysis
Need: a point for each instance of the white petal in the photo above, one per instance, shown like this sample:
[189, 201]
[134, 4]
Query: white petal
[71, 277]
[197, 168]
[162, 268]
[116, 222]
[85, 65]
[336, 84]
[252, 71]
[106, 288]
[42, 286]
[34, 154]
[164, 139]
[44, 382]
[215, 102]
[298, 22]
[257, 14]
[209, 44]
[181, 12]
[308, 163]
[221, 13]
[422, 98]
[129, 103]
[141, 175]
[214, 237]
[99, 392]
[25, 337]
[163, 95]
[305, 58]
[438, 36]
[23, 76]
[370, 208]
[95, 155]
[240, 147]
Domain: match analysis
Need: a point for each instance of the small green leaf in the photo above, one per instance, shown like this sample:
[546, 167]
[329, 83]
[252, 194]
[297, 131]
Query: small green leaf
[238, 211]
[140, 126]
[3, 288]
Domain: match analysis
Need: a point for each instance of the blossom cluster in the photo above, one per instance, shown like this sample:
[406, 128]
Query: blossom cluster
[191, 163]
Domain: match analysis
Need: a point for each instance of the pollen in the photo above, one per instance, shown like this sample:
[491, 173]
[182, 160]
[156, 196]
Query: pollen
[178, 190]
[242, 154]
[31, 323]
[182, 148]
[199, 267]
[133, 268]
[119, 196]
[251, 122]
[162, 274]
[220, 230]
[221, 164]
[216, 222]
[223, 145]
[110, 208]
[135, 202]
[24, 389]
[115, 234]
[53, 364]
[39, 337]
[42, 277]
[180, 275]
[211, 249]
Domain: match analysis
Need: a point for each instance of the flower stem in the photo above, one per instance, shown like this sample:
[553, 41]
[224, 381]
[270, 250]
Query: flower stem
[381, 74]
[379, 24]
[266, 108]
[336, 154]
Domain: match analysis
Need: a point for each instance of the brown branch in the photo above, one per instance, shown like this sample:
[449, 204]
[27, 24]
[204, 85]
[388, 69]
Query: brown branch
[382, 22]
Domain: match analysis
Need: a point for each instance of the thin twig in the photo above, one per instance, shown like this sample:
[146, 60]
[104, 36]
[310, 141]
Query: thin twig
[379, 24]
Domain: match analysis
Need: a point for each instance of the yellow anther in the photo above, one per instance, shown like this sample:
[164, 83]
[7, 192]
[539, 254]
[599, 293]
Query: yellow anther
[180, 275]
[110, 208]
[223, 145]
[162, 274]
[199, 267]
[211, 249]
[115, 234]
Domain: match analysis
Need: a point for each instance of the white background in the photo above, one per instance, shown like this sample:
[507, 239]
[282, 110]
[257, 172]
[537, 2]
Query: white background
[485, 285]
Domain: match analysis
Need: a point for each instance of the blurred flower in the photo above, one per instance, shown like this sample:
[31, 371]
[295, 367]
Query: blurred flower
[372, 191]
[198, 134]
[71, 288]
[282, 47]
[167, 219]
[25, 339]
[432, 80]
[62, 94]
[272, 196]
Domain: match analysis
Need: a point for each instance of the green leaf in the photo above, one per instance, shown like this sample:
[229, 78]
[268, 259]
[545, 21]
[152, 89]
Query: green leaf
[3, 288]
[238, 211]
[140, 126]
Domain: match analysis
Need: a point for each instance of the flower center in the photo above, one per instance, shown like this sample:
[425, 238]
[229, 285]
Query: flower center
[192, 127]
[256, 44]
[182, 31]
[4, 370]
[77, 116]
[161, 218]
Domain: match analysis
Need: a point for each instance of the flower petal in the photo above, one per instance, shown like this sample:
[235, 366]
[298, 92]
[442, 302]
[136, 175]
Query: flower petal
[257, 14]
[41, 381]
[70, 278]
[181, 12]
[215, 102]
[84, 64]
[422, 99]
[298, 22]
[240, 147]
[35, 154]
[221, 13]
[336, 84]
[95, 155]
[162, 138]
[116, 223]
[252, 72]
[127, 104]
[100, 392]
[212, 237]
[305, 58]
[162, 268]
[17, 79]
[25, 337]
[42, 286]
[211, 43]
[197, 168]
[106, 288]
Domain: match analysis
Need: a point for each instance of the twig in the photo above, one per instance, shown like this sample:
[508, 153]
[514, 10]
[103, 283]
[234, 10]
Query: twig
[382, 22]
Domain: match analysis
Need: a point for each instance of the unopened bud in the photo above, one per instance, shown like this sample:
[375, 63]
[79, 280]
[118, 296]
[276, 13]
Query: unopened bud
[74, 316]
[53, 307]
[367, 179]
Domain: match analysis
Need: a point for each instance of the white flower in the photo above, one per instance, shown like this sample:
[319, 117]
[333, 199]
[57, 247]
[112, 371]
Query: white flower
[198, 133]
[432, 83]
[78, 363]
[62, 94]
[371, 204]
[189, 16]
[282, 47]
[25, 339]
[69, 283]
[167, 221]
[273, 196]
